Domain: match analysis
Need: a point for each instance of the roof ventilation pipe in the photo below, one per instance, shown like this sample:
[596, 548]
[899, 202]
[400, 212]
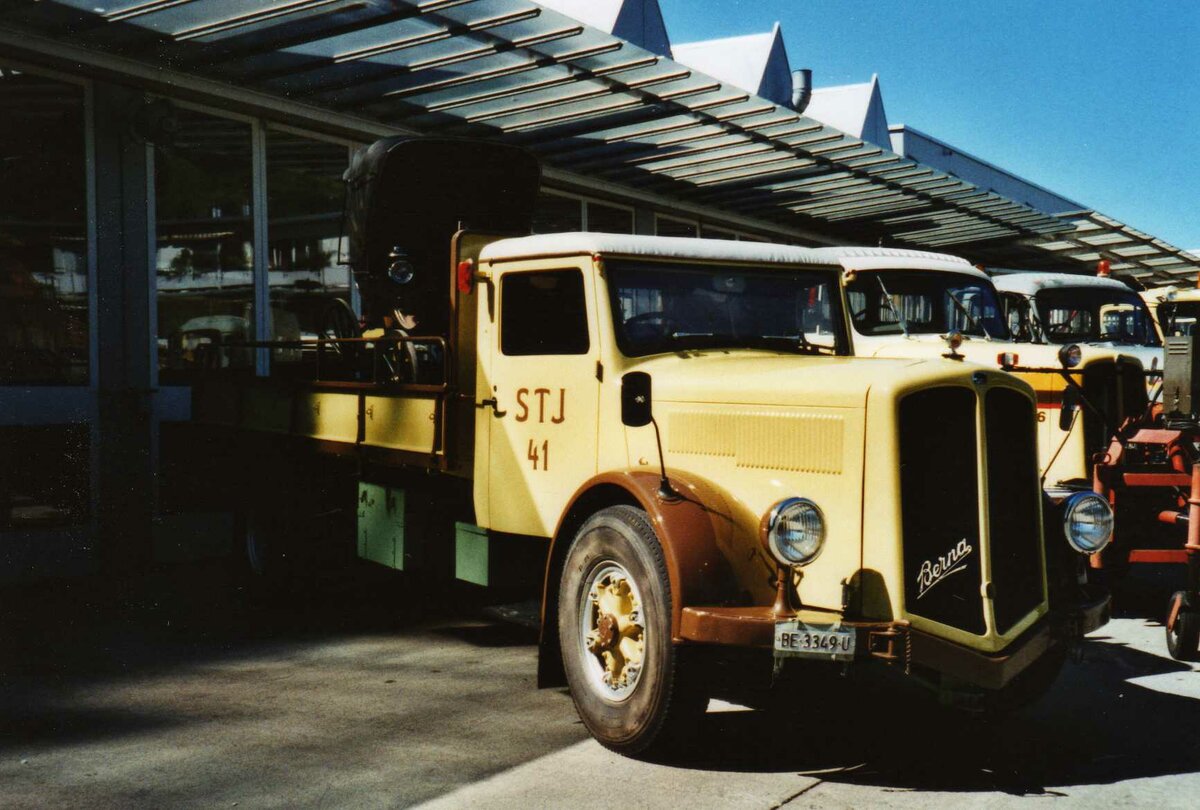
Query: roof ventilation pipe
[801, 89]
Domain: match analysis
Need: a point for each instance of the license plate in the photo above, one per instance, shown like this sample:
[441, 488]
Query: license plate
[827, 642]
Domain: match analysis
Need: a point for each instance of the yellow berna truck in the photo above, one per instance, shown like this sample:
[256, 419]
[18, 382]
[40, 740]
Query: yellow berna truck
[679, 430]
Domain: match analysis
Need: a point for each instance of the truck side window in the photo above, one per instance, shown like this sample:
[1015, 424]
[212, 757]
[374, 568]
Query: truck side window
[543, 312]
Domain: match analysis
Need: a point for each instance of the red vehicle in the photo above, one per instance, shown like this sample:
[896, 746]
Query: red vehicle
[1151, 477]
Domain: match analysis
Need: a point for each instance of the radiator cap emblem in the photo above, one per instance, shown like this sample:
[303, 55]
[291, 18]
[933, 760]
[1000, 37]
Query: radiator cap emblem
[979, 378]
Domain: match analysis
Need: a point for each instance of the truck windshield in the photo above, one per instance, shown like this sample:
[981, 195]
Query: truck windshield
[923, 302]
[672, 307]
[1081, 314]
[1178, 318]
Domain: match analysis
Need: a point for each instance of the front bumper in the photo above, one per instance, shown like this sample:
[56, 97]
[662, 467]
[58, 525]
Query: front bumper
[896, 643]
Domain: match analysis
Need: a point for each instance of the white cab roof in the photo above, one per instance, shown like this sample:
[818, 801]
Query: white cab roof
[1172, 293]
[678, 247]
[1031, 283]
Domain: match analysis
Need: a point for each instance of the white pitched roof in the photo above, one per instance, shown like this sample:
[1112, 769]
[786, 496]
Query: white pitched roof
[638, 21]
[856, 109]
[754, 62]
[600, 14]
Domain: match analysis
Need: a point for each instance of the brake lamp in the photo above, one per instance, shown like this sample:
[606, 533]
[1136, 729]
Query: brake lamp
[1007, 360]
[466, 275]
[1103, 268]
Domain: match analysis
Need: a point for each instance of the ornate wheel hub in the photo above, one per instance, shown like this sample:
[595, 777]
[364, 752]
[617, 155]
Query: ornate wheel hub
[612, 632]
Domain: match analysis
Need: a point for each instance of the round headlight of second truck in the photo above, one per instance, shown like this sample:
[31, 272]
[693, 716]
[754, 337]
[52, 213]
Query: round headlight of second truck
[1070, 355]
[1087, 522]
[795, 531]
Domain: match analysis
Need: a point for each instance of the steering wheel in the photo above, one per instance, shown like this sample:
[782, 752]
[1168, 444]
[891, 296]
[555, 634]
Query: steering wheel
[339, 321]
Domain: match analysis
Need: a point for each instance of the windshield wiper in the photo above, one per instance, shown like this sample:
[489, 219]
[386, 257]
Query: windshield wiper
[717, 341]
[971, 319]
[887, 297]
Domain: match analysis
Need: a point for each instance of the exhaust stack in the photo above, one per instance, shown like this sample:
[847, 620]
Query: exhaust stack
[801, 89]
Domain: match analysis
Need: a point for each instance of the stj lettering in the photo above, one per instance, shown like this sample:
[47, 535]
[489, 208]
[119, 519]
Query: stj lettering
[541, 394]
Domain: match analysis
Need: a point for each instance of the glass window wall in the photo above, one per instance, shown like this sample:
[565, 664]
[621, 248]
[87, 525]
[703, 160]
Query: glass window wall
[44, 336]
[710, 232]
[557, 214]
[609, 218]
[305, 198]
[204, 265]
[669, 226]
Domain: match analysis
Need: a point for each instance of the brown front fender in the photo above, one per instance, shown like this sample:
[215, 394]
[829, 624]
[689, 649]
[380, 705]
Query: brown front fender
[697, 535]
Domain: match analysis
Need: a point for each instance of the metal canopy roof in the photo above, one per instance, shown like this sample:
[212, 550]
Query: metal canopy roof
[582, 100]
[1131, 253]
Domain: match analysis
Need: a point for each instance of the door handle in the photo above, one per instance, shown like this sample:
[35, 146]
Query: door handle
[493, 404]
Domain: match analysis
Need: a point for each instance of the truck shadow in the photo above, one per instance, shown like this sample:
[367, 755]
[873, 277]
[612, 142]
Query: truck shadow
[62, 641]
[1094, 727]
[1145, 591]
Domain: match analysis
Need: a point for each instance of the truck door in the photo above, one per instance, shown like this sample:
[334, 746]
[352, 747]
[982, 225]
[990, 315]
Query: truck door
[543, 376]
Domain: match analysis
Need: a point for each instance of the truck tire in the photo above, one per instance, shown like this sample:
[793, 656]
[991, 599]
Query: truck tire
[1183, 640]
[630, 684]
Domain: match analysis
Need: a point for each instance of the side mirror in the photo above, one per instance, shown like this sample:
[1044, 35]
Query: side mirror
[635, 399]
[1070, 403]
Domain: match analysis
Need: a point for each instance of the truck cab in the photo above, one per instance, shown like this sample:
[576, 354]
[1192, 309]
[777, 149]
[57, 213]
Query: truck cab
[680, 426]
[1174, 311]
[904, 303]
[1056, 309]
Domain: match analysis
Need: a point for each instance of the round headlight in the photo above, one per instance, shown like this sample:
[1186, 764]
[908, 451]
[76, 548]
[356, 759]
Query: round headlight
[795, 531]
[1070, 355]
[1087, 522]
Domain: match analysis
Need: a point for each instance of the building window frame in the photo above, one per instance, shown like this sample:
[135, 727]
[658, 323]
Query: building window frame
[585, 201]
[738, 236]
[660, 217]
[54, 392]
[588, 201]
[260, 241]
[48, 405]
[352, 146]
[258, 252]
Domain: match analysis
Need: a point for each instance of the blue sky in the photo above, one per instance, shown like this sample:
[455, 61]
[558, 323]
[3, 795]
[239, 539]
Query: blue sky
[1098, 101]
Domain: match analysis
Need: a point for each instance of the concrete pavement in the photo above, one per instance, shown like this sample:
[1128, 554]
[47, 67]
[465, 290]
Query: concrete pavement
[355, 694]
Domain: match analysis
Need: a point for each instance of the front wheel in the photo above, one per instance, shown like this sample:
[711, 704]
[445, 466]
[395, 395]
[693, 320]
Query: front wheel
[1183, 638]
[629, 684]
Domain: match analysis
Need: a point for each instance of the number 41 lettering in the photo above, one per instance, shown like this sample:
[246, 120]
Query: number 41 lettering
[533, 455]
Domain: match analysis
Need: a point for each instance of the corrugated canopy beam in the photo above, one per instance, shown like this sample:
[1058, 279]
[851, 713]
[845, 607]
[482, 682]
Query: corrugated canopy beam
[584, 102]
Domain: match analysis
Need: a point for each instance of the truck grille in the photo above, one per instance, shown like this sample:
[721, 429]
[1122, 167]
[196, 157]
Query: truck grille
[940, 507]
[1013, 515]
